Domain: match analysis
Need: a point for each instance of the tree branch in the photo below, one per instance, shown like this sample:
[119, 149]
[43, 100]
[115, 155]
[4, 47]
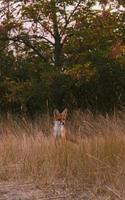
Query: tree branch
[42, 37]
[30, 45]
[27, 43]
[47, 29]
[68, 19]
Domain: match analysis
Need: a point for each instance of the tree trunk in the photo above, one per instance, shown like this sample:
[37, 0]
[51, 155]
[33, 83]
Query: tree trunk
[58, 52]
[57, 38]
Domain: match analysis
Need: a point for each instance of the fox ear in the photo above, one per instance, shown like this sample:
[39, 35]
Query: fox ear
[64, 112]
[56, 112]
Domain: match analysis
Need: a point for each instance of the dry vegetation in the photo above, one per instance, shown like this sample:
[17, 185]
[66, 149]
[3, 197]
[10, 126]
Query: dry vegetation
[28, 153]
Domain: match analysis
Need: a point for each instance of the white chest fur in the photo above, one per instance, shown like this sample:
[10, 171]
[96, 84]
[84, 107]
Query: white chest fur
[58, 129]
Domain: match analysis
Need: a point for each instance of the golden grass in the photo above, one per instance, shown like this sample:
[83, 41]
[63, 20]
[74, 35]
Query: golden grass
[26, 153]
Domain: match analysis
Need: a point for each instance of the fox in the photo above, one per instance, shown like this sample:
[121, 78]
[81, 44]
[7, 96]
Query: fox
[59, 129]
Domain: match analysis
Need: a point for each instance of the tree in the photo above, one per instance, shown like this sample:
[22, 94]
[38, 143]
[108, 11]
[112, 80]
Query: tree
[43, 24]
[62, 52]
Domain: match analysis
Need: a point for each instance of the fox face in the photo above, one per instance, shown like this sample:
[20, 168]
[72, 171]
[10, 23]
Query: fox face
[60, 117]
[59, 122]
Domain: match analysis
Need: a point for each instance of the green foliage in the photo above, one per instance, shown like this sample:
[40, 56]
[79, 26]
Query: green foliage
[61, 92]
[61, 54]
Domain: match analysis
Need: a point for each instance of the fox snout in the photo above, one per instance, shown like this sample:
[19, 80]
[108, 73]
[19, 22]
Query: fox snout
[63, 123]
[60, 118]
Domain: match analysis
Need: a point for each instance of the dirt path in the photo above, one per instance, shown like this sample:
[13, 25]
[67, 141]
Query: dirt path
[16, 191]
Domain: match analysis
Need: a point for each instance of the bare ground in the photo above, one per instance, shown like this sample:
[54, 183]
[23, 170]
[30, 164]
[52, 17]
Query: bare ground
[33, 191]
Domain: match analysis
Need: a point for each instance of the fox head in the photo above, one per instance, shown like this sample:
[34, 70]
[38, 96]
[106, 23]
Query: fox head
[60, 117]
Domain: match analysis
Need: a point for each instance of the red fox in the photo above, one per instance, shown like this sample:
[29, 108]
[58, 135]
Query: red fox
[59, 123]
[59, 129]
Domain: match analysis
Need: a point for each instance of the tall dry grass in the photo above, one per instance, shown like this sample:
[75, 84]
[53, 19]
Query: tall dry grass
[28, 152]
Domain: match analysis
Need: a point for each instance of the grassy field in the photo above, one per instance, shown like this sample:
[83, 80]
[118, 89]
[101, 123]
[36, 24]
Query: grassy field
[29, 153]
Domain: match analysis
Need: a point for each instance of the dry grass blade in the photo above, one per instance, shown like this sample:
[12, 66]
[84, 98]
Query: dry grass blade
[114, 192]
[28, 152]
